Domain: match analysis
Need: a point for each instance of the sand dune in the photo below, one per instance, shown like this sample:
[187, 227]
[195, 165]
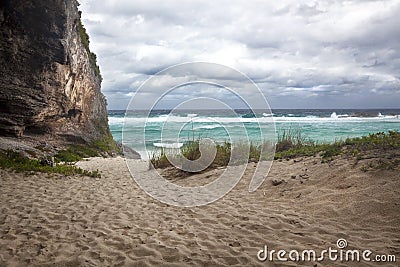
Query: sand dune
[79, 221]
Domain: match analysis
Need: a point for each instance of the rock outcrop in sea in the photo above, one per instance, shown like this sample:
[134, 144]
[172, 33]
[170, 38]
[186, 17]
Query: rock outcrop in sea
[49, 80]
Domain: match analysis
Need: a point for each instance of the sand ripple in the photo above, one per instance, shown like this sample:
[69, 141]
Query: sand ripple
[80, 221]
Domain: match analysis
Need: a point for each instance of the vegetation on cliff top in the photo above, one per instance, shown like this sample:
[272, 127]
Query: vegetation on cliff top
[106, 145]
[85, 41]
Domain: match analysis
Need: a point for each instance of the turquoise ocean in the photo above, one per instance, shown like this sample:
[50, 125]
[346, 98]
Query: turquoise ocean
[147, 133]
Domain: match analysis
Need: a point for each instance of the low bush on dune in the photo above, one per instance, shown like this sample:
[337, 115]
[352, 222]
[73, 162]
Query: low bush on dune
[381, 140]
[383, 147]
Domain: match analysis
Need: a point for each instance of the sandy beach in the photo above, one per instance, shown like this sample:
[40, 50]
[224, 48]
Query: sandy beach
[282, 119]
[51, 220]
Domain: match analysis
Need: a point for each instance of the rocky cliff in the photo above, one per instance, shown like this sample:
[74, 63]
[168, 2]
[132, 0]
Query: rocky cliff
[49, 80]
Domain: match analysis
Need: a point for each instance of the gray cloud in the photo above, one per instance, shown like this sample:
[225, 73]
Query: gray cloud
[301, 54]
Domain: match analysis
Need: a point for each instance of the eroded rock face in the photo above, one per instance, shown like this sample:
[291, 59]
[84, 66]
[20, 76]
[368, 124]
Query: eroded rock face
[48, 84]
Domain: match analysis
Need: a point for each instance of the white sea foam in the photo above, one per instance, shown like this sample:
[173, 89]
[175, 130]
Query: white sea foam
[115, 120]
[268, 114]
[338, 118]
[224, 120]
[168, 145]
[335, 116]
[209, 127]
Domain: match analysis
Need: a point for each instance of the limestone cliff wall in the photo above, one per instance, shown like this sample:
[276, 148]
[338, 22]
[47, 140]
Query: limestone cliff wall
[49, 83]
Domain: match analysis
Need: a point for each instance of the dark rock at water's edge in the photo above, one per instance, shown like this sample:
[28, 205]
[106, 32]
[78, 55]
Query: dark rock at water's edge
[128, 152]
[49, 80]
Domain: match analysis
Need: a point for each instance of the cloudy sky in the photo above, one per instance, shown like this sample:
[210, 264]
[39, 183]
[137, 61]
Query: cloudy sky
[301, 54]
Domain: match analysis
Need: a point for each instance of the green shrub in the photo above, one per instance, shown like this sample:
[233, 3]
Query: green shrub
[85, 41]
[66, 156]
[77, 152]
[331, 151]
[16, 161]
[354, 146]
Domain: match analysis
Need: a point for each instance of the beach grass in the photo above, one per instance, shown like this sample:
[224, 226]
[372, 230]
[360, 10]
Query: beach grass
[292, 144]
[191, 151]
[226, 153]
[16, 161]
[74, 153]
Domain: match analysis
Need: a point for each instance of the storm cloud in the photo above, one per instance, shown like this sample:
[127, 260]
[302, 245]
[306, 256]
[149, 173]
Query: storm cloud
[301, 54]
